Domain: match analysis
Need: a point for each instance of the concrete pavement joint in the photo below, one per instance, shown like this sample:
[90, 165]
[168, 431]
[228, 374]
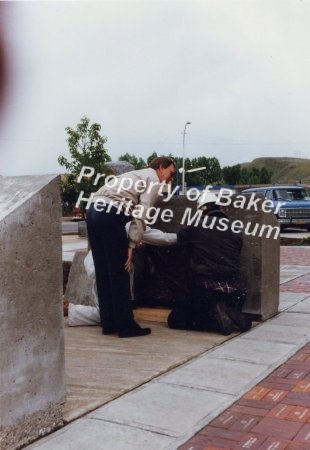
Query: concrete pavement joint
[139, 426]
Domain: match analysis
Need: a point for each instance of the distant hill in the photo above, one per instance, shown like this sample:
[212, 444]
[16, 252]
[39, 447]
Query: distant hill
[285, 170]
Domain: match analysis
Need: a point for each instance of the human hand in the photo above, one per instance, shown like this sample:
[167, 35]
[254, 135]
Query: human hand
[128, 263]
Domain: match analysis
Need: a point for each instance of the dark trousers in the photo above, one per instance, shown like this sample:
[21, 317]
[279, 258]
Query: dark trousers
[197, 313]
[201, 312]
[109, 245]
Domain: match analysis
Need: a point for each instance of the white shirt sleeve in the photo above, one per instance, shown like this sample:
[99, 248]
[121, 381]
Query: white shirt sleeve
[154, 236]
[157, 237]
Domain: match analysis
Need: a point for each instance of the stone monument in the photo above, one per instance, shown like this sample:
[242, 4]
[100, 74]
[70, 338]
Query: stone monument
[162, 273]
[32, 376]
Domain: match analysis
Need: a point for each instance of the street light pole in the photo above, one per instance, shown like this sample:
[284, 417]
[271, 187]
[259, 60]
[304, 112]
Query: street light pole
[183, 158]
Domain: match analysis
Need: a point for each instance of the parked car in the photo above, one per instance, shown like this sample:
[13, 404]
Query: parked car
[295, 210]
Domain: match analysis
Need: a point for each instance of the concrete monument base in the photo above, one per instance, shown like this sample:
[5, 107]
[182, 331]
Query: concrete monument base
[32, 376]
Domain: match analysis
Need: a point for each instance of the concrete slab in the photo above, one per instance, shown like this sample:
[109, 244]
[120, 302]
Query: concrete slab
[289, 299]
[211, 373]
[295, 268]
[280, 333]
[163, 408]
[302, 307]
[100, 369]
[256, 352]
[97, 434]
[289, 273]
[292, 319]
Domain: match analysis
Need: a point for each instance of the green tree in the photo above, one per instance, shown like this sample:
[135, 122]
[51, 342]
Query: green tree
[254, 176]
[231, 174]
[265, 175]
[211, 174]
[138, 163]
[86, 147]
[246, 175]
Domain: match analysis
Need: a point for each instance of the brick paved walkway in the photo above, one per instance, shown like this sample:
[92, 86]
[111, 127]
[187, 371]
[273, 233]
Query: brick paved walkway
[295, 255]
[275, 414]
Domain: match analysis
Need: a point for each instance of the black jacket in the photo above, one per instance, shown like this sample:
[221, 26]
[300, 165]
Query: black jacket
[215, 251]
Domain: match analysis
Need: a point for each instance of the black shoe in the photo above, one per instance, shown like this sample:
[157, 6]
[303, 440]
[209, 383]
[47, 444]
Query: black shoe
[109, 327]
[225, 324]
[109, 330]
[242, 322]
[134, 330]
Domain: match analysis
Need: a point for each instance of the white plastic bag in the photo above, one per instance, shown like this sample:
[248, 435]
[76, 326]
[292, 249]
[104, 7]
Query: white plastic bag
[79, 315]
[90, 270]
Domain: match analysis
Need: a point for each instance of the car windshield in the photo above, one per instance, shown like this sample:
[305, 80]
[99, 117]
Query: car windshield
[291, 194]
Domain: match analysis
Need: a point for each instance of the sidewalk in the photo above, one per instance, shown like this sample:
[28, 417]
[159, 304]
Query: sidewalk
[251, 391]
[275, 414]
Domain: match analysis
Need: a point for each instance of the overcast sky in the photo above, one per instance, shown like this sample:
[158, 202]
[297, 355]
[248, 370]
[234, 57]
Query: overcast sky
[238, 70]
